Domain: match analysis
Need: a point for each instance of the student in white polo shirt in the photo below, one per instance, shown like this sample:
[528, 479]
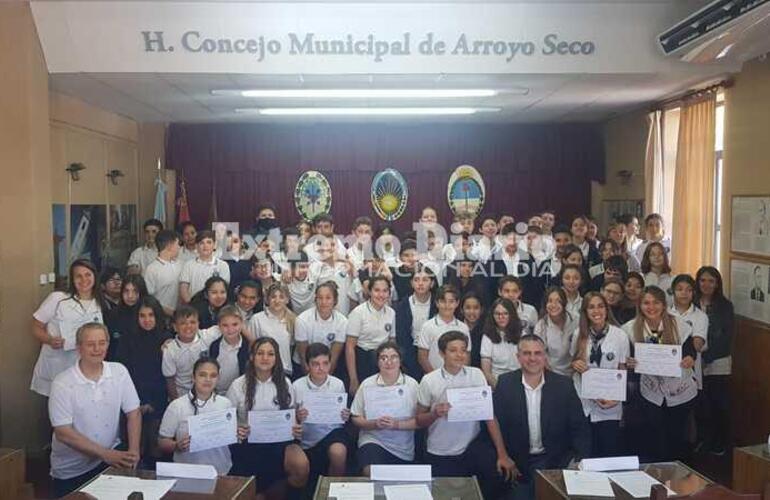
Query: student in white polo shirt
[322, 324]
[300, 284]
[84, 407]
[195, 272]
[386, 439]
[174, 434]
[162, 275]
[502, 331]
[57, 319]
[265, 387]
[143, 256]
[458, 448]
[510, 287]
[369, 325]
[657, 270]
[248, 299]
[557, 327]
[600, 344]
[412, 311]
[231, 350]
[326, 445]
[693, 319]
[277, 322]
[328, 268]
[428, 355]
[181, 353]
[189, 249]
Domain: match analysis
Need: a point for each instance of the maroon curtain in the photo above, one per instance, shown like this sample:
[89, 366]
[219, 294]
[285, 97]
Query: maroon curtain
[526, 168]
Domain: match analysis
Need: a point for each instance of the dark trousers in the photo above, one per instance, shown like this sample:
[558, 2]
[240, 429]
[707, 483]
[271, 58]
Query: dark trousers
[479, 459]
[714, 417]
[524, 489]
[63, 487]
[606, 439]
[366, 363]
[665, 432]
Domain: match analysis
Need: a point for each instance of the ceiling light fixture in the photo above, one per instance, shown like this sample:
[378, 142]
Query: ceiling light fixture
[366, 111]
[358, 93]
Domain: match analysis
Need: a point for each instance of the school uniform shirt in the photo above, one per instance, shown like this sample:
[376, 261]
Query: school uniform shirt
[321, 272]
[634, 264]
[445, 438]
[265, 397]
[671, 390]
[196, 272]
[606, 351]
[662, 281]
[62, 316]
[311, 249]
[642, 247]
[483, 250]
[180, 357]
[591, 255]
[557, 343]
[302, 294]
[697, 324]
[229, 365]
[174, 426]
[527, 316]
[186, 254]
[574, 306]
[162, 279]
[93, 409]
[267, 324]
[310, 327]
[420, 314]
[432, 330]
[312, 434]
[502, 355]
[371, 327]
[142, 257]
[396, 442]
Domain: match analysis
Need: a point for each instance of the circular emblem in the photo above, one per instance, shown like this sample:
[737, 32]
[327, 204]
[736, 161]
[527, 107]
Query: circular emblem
[610, 356]
[389, 194]
[619, 376]
[330, 337]
[465, 191]
[310, 287]
[673, 352]
[312, 195]
[339, 399]
[388, 327]
[400, 392]
[287, 416]
[484, 394]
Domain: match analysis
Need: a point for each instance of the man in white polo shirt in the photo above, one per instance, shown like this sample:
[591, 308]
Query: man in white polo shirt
[84, 408]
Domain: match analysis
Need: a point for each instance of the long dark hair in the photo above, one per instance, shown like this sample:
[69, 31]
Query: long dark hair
[512, 331]
[584, 329]
[200, 362]
[139, 284]
[719, 295]
[97, 290]
[151, 302]
[283, 397]
[646, 266]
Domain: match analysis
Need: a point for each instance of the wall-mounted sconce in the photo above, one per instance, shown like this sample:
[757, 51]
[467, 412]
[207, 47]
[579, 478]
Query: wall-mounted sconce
[113, 175]
[625, 177]
[74, 170]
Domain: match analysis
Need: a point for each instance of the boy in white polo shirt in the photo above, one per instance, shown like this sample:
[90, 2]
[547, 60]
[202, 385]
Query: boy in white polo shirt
[196, 272]
[143, 256]
[510, 287]
[162, 275]
[447, 300]
[84, 408]
[458, 448]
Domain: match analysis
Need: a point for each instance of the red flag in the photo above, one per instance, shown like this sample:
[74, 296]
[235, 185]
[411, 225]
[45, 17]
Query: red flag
[183, 210]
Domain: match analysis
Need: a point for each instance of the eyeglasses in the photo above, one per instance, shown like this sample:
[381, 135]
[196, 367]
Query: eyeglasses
[393, 357]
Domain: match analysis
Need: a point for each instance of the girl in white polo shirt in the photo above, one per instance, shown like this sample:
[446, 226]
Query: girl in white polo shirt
[386, 439]
[556, 327]
[265, 387]
[428, 355]
[202, 398]
[572, 283]
[502, 331]
[322, 323]
[369, 325]
[276, 321]
[693, 319]
[57, 320]
[657, 270]
[600, 344]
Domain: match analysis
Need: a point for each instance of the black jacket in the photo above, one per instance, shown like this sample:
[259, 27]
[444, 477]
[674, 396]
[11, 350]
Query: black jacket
[404, 338]
[720, 333]
[565, 430]
[140, 352]
[243, 352]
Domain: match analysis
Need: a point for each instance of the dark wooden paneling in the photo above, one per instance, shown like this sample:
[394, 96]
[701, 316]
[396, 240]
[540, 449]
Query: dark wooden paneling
[751, 383]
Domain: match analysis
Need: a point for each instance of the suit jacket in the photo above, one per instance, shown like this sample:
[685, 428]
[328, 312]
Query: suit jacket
[565, 430]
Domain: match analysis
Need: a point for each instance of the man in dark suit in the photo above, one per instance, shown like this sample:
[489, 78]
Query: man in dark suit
[540, 416]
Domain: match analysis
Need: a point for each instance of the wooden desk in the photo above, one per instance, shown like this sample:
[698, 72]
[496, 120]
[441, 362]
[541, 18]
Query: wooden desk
[751, 468]
[442, 488]
[227, 487]
[549, 484]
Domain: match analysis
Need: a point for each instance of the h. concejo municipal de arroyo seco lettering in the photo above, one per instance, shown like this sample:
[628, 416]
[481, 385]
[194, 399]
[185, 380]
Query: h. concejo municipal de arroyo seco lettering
[309, 44]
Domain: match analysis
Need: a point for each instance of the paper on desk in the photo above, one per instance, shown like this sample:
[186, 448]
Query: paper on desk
[408, 492]
[106, 487]
[191, 471]
[352, 491]
[590, 484]
[609, 463]
[400, 473]
[636, 482]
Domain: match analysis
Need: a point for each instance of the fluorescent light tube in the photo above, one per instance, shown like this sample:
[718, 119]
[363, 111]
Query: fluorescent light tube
[358, 93]
[364, 111]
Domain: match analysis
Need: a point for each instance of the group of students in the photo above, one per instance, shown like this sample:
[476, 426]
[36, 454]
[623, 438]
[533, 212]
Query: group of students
[192, 327]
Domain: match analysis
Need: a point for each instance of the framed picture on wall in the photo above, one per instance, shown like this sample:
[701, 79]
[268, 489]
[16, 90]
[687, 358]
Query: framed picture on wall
[612, 209]
[750, 225]
[123, 231]
[750, 289]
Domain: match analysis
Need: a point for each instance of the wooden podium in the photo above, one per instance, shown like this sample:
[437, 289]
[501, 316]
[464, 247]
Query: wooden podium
[12, 475]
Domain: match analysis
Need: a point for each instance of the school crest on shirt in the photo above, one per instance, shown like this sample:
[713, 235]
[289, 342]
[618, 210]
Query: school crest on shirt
[312, 195]
[389, 194]
[610, 356]
[466, 191]
[330, 337]
[388, 327]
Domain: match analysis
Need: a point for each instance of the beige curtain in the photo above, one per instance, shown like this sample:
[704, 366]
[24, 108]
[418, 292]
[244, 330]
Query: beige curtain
[653, 165]
[692, 241]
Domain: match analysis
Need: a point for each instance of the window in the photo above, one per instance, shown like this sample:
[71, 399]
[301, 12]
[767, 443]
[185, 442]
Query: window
[718, 174]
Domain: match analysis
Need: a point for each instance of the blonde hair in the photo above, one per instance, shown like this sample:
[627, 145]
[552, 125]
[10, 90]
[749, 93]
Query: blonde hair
[670, 330]
[289, 316]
